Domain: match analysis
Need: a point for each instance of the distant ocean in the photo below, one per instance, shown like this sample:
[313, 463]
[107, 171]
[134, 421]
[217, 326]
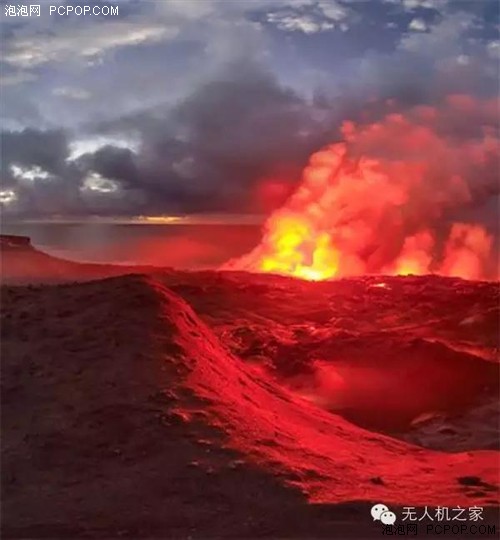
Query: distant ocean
[178, 245]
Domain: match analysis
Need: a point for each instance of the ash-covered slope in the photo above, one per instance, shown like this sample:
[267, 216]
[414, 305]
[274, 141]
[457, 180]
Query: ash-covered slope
[123, 414]
[415, 357]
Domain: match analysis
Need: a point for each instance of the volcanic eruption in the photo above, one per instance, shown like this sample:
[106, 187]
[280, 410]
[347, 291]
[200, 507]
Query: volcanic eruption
[387, 200]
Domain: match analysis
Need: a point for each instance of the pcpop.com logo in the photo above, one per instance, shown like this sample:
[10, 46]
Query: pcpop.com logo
[380, 512]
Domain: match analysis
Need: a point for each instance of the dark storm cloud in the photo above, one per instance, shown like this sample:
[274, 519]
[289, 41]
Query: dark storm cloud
[209, 152]
[205, 155]
[228, 135]
[31, 147]
[111, 162]
[33, 164]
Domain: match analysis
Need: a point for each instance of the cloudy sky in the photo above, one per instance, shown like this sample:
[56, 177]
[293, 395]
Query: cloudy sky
[189, 106]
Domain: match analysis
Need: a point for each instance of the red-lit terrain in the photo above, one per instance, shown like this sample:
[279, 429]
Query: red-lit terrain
[227, 404]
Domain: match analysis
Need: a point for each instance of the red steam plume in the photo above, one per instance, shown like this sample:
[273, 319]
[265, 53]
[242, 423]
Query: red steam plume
[380, 201]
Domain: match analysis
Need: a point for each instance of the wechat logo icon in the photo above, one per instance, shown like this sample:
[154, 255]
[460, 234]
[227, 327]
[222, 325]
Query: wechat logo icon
[380, 512]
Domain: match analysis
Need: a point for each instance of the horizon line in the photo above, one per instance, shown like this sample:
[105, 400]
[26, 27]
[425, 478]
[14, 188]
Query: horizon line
[165, 219]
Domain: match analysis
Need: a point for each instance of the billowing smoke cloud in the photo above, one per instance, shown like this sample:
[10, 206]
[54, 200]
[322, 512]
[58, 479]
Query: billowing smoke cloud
[382, 200]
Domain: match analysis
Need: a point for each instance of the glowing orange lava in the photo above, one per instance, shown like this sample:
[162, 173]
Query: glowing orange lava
[300, 251]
